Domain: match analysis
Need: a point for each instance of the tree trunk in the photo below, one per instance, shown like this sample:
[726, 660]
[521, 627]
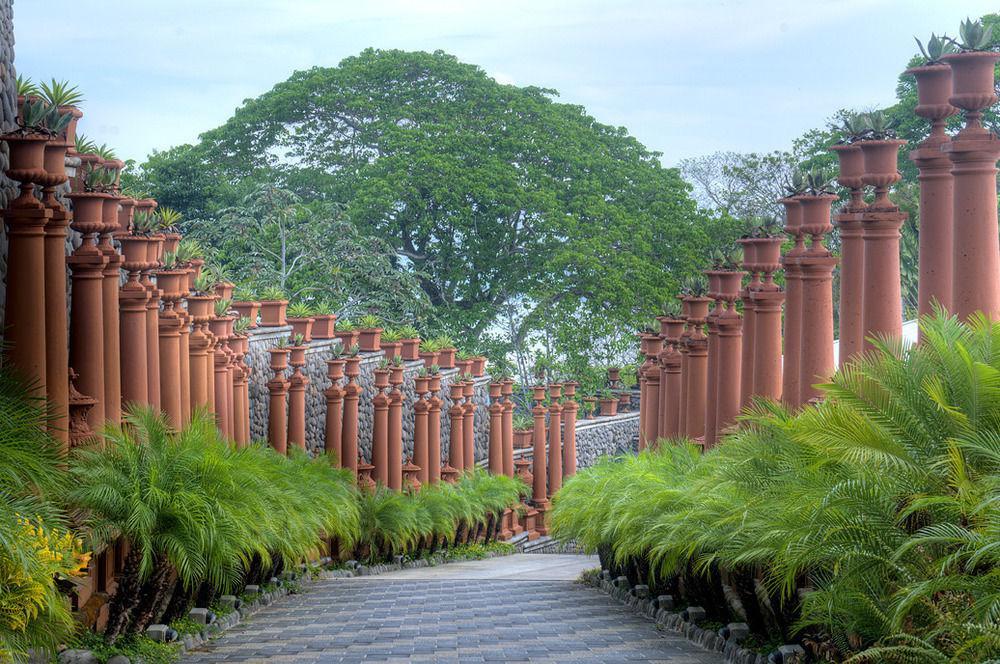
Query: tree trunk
[151, 595]
[126, 596]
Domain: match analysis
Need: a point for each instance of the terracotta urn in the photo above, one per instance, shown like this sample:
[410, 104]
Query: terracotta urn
[365, 480]
[429, 358]
[396, 375]
[934, 88]
[54, 163]
[464, 366]
[297, 355]
[392, 349]
[381, 379]
[279, 359]
[881, 170]
[609, 407]
[421, 385]
[624, 401]
[446, 358]
[411, 349]
[26, 157]
[614, 374]
[591, 406]
[69, 135]
[272, 313]
[347, 337]
[173, 283]
[170, 241]
[125, 210]
[248, 310]
[88, 211]
[478, 366]
[201, 307]
[767, 260]
[411, 476]
[369, 339]
[324, 326]
[224, 289]
[134, 249]
[522, 438]
[729, 282]
[538, 393]
[972, 81]
[301, 326]
[816, 216]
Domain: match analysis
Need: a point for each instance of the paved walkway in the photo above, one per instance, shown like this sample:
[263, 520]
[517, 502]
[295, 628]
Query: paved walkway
[521, 608]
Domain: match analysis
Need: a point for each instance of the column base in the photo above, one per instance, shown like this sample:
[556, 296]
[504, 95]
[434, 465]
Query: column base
[542, 508]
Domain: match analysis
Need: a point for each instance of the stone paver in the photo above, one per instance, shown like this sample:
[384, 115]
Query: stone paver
[523, 608]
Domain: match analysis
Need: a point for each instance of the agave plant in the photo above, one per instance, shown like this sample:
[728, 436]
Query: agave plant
[100, 179]
[60, 93]
[144, 223]
[169, 260]
[272, 293]
[819, 181]
[353, 350]
[973, 36]
[407, 332]
[188, 249]
[767, 227]
[204, 283]
[853, 127]
[344, 325]
[369, 322]
[796, 183]
[84, 145]
[242, 324]
[430, 345]
[298, 339]
[694, 286]
[222, 307]
[26, 87]
[300, 310]
[936, 47]
[34, 117]
[168, 219]
[880, 126]
[391, 335]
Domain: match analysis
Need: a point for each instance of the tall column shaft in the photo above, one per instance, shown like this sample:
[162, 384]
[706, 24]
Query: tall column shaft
[380, 437]
[729, 348]
[650, 417]
[852, 286]
[712, 371]
[555, 466]
[296, 408]
[539, 470]
[56, 323]
[936, 263]
[277, 419]
[507, 418]
[883, 307]
[434, 435]
[469, 433]
[112, 333]
[569, 437]
[86, 354]
[767, 377]
[793, 332]
[816, 341]
[697, 387]
[349, 440]
[682, 393]
[184, 344]
[673, 390]
[421, 456]
[496, 432]
[395, 449]
[456, 441]
[24, 312]
[152, 341]
[135, 376]
[748, 357]
[170, 375]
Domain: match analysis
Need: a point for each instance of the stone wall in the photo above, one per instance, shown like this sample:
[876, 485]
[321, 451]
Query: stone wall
[262, 339]
[8, 115]
[602, 436]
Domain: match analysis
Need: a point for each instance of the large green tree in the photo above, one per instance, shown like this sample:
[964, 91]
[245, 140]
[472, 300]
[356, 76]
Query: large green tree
[495, 197]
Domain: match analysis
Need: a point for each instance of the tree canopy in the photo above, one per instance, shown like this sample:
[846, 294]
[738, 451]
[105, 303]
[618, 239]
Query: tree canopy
[521, 218]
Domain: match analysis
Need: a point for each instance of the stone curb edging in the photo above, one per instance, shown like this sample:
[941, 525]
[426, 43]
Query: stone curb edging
[672, 621]
[375, 570]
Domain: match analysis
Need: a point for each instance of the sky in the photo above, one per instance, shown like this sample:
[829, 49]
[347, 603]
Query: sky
[686, 77]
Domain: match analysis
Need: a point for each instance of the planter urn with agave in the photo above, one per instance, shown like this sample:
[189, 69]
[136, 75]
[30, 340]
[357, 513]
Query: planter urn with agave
[973, 153]
[300, 317]
[370, 333]
[273, 308]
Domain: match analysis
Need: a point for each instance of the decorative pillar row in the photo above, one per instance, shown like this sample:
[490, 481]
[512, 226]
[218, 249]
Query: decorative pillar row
[816, 274]
[200, 363]
[747, 351]
[239, 345]
[421, 408]
[297, 384]
[434, 429]
[507, 419]
[352, 393]
[649, 417]
[767, 298]
[277, 387]
[671, 387]
[729, 351]
[496, 429]
[456, 441]
[660, 363]
[468, 425]
[793, 303]
[334, 429]
[133, 299]
[682, 348]
[395, 442]
[539, 473]
[56, 323]
[710, 414]
[852, 253]
[569, 428]
[380, 428]
[555, 465]
[696, 389]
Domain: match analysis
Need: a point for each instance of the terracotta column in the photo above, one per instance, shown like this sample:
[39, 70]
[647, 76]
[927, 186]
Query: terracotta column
[936, 190]
[395, 449]
[682, 348]
[747, 367]
[672, 386]
[697, 369]
[333, 438]
[133, 299]
[24, 313]
[569, 407]
[277, 387]
[660, 361]
[496, 430]
[434, 429]
[185, 363]
[507, 418]
[645, 406]
[555, 439]
[153, 320]
[421, 407]
[245, 393]
[220, 327]
[56, 323]
[456, 441]
[882, 309]
[793, 303]
[468, 426]
[112, 329]
[171, 284]
[767, 297]
[816, 275]
[973, 153]
[539, 495]
[852, 252]
[297, 384]
[352, 393]
[380, 430]
[729, 349]
[652, 345]
[712, 372]
[200, 310]
[238, 345]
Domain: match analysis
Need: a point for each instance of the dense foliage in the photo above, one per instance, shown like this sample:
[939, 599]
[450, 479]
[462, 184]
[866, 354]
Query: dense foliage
[868, 526]
[522, 219]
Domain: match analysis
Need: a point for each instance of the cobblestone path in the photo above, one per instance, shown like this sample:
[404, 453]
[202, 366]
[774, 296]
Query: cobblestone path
[523, 608]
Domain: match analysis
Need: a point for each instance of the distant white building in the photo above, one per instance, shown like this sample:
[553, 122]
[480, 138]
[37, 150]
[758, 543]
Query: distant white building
[910, 329]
